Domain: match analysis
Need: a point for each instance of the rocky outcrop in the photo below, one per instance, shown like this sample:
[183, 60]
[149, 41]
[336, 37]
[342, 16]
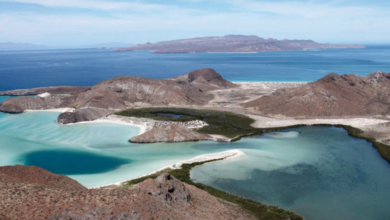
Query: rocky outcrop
[333, 95]
[72, 90]
[84, 114]
[169, 133]
[205, 78]
[232, 43]
[41, 196]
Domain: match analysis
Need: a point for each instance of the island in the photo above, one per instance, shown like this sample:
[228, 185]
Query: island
[233, 44]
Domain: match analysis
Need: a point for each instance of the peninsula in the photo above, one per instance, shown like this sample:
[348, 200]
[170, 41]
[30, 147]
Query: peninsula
[232, 44]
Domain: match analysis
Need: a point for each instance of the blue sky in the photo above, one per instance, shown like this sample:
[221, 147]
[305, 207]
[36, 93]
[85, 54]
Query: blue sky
[78, 22]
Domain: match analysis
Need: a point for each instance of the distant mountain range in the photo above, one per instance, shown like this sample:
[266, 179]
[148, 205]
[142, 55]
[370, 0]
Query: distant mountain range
[233, 44]
[20, 46]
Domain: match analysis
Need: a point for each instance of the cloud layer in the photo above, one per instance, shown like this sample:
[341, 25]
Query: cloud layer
[72, 22]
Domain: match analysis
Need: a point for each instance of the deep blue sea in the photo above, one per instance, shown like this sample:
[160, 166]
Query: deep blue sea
[84, 67]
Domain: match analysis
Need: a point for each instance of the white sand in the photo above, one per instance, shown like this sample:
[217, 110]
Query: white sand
[52, 110]
[44, 95]
[206, 157]
[116, 120]
[265, 122]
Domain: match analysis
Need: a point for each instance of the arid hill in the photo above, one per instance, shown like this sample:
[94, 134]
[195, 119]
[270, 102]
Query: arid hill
[31, 193]
[333, 95]
[122, 93]
[232, 43]
[169, 133]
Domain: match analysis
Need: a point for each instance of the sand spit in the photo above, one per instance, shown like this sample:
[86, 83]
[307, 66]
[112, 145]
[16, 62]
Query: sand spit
[201, 158]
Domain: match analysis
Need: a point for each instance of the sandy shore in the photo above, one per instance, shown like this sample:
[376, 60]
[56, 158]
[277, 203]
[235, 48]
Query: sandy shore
[62, 110]
[201, 158]
[118, 120]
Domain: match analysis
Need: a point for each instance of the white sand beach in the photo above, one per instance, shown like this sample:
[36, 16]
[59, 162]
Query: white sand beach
[201, 158]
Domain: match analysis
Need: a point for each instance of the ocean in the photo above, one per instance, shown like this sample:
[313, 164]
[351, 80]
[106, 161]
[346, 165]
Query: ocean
[85, 67]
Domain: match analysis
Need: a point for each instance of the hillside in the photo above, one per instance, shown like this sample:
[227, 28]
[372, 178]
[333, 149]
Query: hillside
[333, 95]
[34, 193]
[118, 94]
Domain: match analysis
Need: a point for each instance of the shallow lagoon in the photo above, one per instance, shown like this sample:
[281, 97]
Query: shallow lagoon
[318, 172]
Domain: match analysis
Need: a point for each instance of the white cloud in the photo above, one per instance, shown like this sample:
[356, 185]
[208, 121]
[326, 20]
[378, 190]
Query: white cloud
[297, 20]
[96, 4]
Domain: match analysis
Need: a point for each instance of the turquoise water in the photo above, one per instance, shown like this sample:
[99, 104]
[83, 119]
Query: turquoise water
[318, 172]
[84, 67]
[93, 154]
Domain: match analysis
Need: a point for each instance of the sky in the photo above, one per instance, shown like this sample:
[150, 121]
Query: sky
[82, 22]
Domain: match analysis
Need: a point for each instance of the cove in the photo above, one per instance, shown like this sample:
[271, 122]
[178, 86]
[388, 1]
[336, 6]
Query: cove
[318, 172]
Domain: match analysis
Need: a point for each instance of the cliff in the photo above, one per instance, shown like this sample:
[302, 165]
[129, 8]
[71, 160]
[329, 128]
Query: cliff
[33, 193]
[232, 43]
[333, 95]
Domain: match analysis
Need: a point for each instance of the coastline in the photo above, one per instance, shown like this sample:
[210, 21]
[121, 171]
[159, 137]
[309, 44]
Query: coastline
[229, 154]
[113, 120]
[61, 110]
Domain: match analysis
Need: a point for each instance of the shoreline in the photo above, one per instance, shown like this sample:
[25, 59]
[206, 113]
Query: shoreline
[270, 82]
[113, 120]
[61, 110]
[229, 154]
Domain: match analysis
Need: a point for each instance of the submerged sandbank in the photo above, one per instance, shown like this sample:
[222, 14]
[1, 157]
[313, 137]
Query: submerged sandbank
[229, 154]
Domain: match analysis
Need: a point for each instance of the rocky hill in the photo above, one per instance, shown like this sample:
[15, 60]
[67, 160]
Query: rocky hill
[169, 133]
[122, 93]
[232, 43]
[34, 194]
[333, 95]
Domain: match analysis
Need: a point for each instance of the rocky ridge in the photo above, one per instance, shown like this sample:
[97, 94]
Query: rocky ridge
[39, 196]
[232, 43]
[333, 95]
